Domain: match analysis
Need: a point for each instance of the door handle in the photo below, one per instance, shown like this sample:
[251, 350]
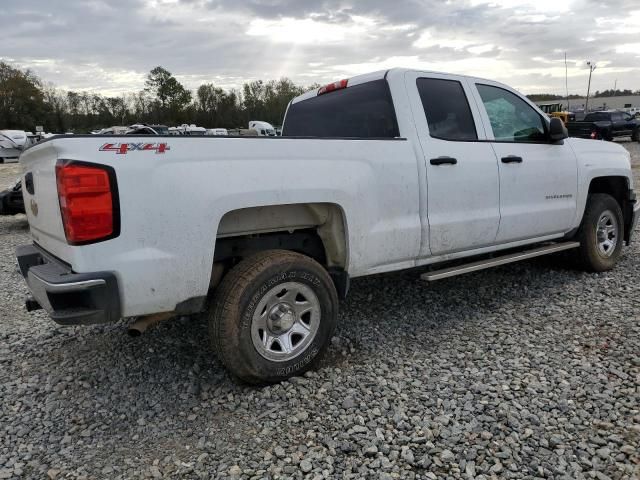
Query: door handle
[443, 161]
[511, 159]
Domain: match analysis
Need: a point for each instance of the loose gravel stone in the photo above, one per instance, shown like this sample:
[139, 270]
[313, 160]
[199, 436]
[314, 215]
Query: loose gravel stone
[371, 451]
[306, 466]
[447, 456]
[527, 371]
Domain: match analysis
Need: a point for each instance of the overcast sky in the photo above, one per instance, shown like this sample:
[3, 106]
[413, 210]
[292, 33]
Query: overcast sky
[108, 46]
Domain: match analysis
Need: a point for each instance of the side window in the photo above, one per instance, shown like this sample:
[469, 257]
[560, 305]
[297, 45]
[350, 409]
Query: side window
[616, 116]
[447, 109]
[512, 119]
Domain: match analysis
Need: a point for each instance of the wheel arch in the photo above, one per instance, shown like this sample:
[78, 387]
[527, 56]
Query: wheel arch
[619, 187]
[318, 230]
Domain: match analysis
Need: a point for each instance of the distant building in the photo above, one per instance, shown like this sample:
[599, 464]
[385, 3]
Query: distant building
[598, 103]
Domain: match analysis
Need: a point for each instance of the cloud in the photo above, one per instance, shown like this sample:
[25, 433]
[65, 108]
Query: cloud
[108, 46]
[297, 31]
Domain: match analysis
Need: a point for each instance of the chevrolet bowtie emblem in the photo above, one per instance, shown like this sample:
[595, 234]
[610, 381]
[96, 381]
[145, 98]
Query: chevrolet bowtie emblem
[34, 207]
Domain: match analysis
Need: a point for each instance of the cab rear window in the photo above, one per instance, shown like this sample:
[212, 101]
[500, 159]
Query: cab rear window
[596, 117]
[361, 111]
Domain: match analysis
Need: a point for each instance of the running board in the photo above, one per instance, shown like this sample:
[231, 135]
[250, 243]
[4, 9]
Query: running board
[496, 261]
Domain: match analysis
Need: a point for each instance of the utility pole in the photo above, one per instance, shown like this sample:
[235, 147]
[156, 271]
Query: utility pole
[615, 86]
[566, 80]
[592, 67]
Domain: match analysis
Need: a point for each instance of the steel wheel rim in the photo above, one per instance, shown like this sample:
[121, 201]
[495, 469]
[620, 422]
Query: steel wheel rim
[285, 322]
[607, 233]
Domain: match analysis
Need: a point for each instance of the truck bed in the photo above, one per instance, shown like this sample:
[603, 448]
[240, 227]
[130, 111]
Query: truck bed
[584, 129]
[174, 191]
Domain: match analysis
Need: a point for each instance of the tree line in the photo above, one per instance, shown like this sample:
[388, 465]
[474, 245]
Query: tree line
[615, 93]
[27, 101]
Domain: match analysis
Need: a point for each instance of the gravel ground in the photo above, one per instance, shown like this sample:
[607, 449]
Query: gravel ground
[525, 371]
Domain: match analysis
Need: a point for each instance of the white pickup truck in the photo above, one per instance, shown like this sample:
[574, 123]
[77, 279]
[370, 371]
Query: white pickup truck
[385, 171]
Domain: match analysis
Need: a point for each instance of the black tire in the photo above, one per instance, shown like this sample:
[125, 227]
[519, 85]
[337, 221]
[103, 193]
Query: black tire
[635, 137]
[591, 255]
[234, 329]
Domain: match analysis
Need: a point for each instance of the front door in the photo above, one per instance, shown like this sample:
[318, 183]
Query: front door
[460, 177]
[538, 179]
[622, 123]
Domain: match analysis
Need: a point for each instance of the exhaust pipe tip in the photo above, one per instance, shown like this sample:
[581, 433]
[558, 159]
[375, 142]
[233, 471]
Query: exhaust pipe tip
[141, 324]
[134, 332]
[31, 304]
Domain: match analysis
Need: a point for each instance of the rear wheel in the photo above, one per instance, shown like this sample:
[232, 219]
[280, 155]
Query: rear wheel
[273, 316]
[601, 234]
[636, 135]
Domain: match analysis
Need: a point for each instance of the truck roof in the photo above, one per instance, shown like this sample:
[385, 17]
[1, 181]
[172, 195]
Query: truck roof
[597, 112]
[380, 74]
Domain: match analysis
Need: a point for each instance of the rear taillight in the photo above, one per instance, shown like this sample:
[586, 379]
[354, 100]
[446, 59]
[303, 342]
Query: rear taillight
[333, 86]
[88, 202]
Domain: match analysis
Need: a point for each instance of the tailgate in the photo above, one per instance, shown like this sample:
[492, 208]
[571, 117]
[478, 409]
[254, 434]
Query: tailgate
[580, 129]
[41, 199]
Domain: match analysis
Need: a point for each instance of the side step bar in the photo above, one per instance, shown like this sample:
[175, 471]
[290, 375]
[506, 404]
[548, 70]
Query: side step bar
[496, 261]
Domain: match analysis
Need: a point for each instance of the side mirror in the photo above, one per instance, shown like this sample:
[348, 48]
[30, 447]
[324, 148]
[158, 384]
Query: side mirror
[557, 130]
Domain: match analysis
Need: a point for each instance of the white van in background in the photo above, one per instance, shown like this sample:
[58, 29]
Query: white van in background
[217, 132]
[115, 130]
[192, 130]
[264, 129]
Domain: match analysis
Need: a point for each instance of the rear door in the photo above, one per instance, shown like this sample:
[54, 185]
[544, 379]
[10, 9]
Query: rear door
[462, 199]
[538, 179]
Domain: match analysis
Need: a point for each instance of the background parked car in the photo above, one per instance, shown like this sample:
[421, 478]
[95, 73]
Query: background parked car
[11, 200]
[217, 132]
[12, 142]
[264, 129]
[606, 125]
[144, 129]
[115, 130]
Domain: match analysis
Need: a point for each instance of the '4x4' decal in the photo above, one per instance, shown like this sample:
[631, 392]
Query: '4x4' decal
[124, 148]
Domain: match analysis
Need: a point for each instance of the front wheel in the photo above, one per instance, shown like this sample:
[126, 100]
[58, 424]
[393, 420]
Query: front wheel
[273, 316]
[601, 234]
